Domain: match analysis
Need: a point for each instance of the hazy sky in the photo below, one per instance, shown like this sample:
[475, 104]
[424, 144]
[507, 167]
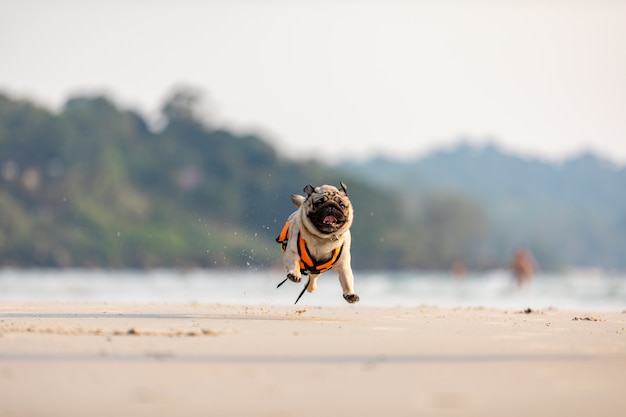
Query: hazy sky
[330, 78]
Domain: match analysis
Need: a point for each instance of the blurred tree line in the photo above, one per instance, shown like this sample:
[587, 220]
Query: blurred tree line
[93, 185]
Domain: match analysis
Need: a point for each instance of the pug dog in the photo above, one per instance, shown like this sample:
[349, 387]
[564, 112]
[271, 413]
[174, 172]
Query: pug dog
[316, 238]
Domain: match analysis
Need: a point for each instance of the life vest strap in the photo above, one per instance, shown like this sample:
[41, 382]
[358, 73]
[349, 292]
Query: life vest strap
[307, 263]
[283, 237]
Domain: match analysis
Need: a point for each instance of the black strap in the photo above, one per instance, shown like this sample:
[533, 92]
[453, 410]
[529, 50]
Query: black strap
[303, 290]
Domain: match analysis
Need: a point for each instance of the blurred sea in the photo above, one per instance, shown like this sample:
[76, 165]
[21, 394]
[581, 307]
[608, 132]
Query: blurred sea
[577, 290]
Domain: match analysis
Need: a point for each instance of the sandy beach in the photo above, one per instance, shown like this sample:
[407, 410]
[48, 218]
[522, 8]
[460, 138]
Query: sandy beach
[96, 359]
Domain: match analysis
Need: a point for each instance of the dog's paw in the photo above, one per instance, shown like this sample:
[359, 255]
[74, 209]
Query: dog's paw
[293, 277]
[351, 298]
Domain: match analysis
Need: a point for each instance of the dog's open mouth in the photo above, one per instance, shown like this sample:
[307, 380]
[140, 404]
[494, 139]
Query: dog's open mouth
[330, 219]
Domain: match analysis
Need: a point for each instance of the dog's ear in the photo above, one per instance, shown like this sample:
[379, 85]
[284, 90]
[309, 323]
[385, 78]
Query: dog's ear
[308, 189]
[344, 187]
[297, 200]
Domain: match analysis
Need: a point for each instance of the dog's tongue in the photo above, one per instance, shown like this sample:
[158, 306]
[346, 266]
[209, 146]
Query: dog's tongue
[330, 219]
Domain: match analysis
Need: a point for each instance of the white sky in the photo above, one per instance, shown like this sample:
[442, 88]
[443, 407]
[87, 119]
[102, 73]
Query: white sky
[337, 78]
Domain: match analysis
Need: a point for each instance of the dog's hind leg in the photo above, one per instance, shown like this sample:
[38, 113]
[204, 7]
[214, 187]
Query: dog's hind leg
[312, 285]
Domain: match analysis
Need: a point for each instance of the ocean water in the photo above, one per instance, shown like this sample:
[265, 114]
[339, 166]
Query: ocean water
[578, 290]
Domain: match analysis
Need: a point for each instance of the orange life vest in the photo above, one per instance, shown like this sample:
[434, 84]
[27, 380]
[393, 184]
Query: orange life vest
[307, 263]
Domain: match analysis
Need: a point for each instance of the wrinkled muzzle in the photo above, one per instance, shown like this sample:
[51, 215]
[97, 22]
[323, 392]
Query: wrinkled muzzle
[328, 218]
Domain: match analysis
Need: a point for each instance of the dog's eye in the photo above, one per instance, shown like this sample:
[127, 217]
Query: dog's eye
[318, 203]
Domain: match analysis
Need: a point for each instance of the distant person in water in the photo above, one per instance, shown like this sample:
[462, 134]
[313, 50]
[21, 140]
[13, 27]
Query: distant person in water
[458, 269]
[522, 266]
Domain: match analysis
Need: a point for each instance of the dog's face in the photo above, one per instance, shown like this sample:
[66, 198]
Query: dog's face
[328, 209]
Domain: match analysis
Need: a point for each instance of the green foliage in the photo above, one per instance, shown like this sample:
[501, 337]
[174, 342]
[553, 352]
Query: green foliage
[93, 186]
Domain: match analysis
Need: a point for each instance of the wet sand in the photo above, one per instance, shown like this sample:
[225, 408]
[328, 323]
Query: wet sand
[221, 360]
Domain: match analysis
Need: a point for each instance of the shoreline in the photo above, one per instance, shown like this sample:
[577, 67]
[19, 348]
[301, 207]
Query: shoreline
[161, 359]
[254, 288]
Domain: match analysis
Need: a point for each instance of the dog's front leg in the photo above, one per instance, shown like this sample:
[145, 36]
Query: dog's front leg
[346, 279]
[291, 260]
